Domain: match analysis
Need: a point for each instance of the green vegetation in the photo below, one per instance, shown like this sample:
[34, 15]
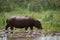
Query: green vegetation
[47, 11]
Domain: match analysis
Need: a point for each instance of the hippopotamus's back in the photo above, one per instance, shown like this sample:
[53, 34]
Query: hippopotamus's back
[20, 21]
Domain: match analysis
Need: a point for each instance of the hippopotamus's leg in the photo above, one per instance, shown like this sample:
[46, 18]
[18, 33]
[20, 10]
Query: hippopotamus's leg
[11, 29]
[31, 27]
[26, 29]
[6, 27]
[31, 32]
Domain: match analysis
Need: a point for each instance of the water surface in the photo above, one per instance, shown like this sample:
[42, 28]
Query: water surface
[48, 38]
[26, 36]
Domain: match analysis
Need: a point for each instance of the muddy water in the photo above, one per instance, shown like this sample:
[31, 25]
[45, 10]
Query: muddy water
[28, 36]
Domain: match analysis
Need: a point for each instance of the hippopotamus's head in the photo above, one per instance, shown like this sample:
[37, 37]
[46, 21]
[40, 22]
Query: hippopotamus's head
[38, 24]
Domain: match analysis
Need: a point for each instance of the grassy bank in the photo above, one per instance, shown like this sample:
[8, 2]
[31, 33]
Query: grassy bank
[49, 18]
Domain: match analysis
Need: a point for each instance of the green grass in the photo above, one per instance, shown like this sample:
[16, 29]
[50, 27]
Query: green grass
[38, 15]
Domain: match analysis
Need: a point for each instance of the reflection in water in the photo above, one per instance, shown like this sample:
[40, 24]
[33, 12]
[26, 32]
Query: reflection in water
[39, 38]
[48, 38]
[4, 36]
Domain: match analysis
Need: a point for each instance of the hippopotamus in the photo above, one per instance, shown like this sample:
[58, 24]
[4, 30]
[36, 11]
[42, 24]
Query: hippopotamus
[22, 22]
